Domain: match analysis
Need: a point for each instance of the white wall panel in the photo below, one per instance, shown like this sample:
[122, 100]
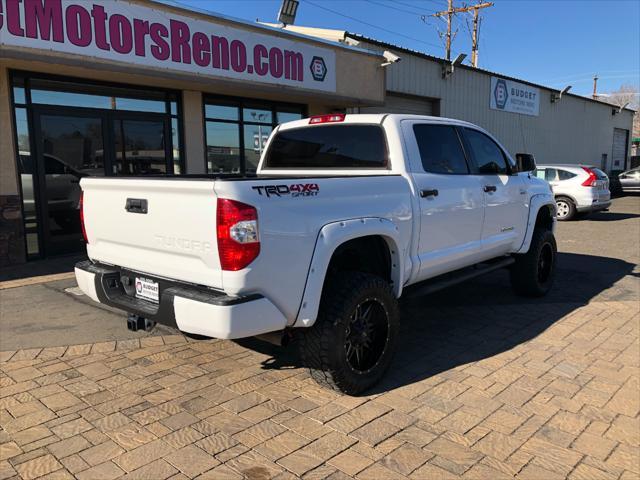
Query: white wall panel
[573, 130]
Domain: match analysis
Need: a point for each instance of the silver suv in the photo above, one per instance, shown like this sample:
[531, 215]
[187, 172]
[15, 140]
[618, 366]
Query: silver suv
[577, 188]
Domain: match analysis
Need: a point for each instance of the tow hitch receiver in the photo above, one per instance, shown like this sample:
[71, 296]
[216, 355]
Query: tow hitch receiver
[136, 322]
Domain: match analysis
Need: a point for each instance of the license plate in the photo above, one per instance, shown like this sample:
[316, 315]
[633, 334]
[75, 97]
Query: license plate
[147, 289]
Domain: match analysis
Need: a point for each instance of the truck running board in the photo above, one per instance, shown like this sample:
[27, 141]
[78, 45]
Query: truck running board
[452, 278]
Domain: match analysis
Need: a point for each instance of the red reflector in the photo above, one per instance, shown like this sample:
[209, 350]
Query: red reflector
[329, 118]
[81, 205]
[237, 232]
[591, 181]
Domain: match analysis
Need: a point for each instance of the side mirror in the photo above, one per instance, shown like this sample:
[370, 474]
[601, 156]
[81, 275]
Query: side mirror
[526, 162]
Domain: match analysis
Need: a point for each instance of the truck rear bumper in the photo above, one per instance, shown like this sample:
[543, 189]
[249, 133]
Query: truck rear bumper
[189, 308]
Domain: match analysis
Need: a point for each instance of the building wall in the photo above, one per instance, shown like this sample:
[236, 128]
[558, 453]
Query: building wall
[572, 130]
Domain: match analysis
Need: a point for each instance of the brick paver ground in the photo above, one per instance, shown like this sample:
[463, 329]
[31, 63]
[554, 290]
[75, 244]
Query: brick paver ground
[484, 385]
[481, 399]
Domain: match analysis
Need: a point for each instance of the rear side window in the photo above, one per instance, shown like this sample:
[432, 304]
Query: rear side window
[565, 175]
[440, 149]
[486, 153]
[328, 146]
[600, 174]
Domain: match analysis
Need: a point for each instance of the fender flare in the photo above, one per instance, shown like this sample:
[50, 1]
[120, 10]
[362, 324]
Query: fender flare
[330, 237]
[537, 202]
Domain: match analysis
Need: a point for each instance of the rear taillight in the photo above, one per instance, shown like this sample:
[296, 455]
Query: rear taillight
[330, 118]
[84, 230]
[237, 229]
[591, 181]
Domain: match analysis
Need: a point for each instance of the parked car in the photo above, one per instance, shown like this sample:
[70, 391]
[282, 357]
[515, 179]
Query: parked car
[345, 214]
[578, 189]
[630, 180]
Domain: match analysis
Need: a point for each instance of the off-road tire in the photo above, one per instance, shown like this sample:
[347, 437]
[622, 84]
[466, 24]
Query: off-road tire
[564, 204]
[322, 346]
[531, 274]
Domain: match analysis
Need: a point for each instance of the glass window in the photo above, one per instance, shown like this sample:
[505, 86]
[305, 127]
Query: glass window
[565, 175]
[440, 149]
[221, 112]
[19, 96]
[175, 140]
[540, 172]
[255, 139]
[69, 99]
[288, 116]
[139, 105]
[257, 115]
[329, 146]
[230, 124]
[22, 130]
[139, 146]
[551, 175]
[486, 153]
[223, 147]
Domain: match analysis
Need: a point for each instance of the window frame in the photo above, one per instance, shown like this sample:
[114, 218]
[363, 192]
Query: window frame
[242, 103]
[465, 154]
[472, 157]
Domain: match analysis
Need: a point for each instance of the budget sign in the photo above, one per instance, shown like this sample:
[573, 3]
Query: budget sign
[514, 97]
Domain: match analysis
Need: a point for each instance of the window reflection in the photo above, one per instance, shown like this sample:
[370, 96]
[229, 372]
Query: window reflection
[229, 126]
[221, 112]
[223, 147]
[139, 147]
[19, 95]
[288, 117]
[257, 115]
[255, 139]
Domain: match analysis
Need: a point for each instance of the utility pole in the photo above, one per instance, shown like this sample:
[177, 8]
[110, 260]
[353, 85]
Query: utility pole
[450, 12]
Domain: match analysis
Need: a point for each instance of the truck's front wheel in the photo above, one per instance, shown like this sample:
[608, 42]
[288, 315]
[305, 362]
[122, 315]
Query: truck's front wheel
[533, 273]
[350, 346]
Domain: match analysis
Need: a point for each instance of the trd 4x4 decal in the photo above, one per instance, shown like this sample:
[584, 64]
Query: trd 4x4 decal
[295, 190]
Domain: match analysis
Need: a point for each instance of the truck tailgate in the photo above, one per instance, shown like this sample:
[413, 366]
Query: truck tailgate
[173, 235]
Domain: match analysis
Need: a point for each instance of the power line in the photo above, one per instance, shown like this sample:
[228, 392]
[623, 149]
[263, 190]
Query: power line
[449, 13]
[370, 24]
[392, 7]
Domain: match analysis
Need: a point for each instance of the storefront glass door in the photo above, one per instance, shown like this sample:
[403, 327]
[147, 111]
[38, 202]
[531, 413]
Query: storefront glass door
[72, 144]
[70, 147]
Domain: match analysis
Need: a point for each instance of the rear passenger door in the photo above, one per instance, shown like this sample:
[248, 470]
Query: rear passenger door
[450, 198]
[505, 195]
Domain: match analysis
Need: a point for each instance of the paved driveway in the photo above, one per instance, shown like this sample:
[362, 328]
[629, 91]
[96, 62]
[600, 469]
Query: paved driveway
[485, 385]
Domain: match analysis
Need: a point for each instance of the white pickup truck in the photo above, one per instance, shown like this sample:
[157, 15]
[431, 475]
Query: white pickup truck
[345, 213]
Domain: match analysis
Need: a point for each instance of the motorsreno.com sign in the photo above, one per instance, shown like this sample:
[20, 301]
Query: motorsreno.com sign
[127, 32]
[514, 97]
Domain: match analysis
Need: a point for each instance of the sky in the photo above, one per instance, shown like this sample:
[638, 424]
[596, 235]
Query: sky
[551, 42]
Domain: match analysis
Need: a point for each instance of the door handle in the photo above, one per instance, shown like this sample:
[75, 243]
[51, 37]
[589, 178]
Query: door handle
[429, 193]
[136, 205]
[490, 188]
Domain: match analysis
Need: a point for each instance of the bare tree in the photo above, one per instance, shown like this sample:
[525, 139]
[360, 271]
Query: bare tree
[626, 95]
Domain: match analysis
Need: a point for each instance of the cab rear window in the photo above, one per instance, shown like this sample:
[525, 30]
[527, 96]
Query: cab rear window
[329, 146]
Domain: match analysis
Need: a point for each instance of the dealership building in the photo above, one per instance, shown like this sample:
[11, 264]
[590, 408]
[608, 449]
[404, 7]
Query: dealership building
[138, 87]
